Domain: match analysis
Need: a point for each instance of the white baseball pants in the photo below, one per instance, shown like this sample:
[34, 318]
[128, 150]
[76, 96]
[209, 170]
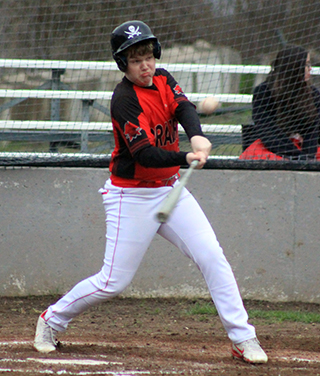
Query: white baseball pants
[131, 226]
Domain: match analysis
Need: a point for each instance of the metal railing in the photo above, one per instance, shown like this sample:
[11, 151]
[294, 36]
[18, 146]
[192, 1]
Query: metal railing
[83, 131]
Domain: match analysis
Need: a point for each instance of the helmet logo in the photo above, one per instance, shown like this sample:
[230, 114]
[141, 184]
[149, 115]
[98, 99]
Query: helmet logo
[133, 32]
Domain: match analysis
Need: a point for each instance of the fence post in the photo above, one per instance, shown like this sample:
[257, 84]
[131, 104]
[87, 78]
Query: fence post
[86, 103]
[55, 103]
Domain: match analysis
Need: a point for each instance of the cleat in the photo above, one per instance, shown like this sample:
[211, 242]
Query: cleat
[250, 351]
[45, 340]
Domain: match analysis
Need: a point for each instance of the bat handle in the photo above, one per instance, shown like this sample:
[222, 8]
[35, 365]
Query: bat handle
[194, 163]
[186, 175]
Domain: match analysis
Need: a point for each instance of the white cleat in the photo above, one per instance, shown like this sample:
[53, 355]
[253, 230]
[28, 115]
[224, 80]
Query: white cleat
[45, 340]
[250, 351]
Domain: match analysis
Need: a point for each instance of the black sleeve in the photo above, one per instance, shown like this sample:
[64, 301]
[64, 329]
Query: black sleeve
[152, 156]
[311, 137]
[316, 96]
[188, 117]
[264, 118]
[310, 143]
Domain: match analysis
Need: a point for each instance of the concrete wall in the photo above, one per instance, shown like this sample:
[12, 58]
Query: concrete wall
[52, 233]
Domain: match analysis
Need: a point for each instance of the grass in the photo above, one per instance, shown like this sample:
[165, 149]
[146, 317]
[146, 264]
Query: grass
[235, 118]
[202, 309]
[222, 149]
[43, 147]
[247, 82]
[227, 149]
[272, 316]
[281, 316]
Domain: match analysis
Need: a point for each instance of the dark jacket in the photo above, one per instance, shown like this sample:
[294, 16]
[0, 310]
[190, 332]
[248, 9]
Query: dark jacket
[273, 137]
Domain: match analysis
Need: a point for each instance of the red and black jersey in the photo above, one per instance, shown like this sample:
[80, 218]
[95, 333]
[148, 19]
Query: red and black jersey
[145, 125]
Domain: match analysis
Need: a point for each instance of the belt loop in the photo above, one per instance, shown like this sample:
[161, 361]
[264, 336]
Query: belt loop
[159, 183]
[172, 180]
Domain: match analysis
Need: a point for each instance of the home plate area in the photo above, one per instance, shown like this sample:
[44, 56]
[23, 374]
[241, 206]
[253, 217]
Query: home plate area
[71, 360]
[151, 337]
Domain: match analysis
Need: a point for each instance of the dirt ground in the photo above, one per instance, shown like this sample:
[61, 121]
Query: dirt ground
[152, 337]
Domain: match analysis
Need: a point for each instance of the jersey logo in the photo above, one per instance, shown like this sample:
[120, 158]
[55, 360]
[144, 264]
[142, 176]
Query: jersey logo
[177, 89]
[131, 131]
[133, 32]
[166, 134]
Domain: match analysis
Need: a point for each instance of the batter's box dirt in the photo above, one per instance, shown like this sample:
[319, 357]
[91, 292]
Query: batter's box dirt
[152, 337]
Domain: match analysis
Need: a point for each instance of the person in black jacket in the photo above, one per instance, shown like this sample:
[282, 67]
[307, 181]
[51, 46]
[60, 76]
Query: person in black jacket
[286, 110]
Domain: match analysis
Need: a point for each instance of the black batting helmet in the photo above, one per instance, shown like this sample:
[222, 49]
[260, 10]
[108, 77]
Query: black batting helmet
[128, 34]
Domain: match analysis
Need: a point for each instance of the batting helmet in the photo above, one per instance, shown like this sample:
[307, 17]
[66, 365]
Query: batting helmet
[128, 34]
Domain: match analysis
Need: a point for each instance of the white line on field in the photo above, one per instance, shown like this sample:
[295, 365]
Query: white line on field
[295, 359]
[10, 343]
[23, 371]
[17, 343]
[104, 344]
[64, 372]
[89, 362]
[66, 343]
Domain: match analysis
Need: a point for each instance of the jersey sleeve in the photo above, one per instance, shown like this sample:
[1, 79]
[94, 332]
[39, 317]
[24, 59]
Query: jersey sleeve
[129, 120]
[184, 110]
[156, 157]
[133, 130]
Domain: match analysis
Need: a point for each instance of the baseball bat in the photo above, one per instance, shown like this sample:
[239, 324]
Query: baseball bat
[170, 201]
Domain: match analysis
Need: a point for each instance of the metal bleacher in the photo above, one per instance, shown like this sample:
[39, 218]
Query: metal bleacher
[81, 132]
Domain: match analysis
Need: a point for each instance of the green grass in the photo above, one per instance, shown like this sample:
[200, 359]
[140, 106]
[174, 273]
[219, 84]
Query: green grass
[247, 81]
[235, 118]
[223, 149]
[281, 316]
[203, 309]
[227, 149]
[43, 147]
[272, 316]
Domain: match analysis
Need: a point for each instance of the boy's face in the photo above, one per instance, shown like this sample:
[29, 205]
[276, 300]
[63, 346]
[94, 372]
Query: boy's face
[141, 69]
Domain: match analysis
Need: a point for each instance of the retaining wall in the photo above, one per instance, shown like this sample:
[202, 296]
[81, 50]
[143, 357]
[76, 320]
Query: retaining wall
[52, 233]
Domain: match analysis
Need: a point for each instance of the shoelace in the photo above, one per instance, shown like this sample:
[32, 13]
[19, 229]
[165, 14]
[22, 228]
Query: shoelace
[50, 334]
[253, 344]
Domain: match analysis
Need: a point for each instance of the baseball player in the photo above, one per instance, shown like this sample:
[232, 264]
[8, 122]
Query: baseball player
[146, 107]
